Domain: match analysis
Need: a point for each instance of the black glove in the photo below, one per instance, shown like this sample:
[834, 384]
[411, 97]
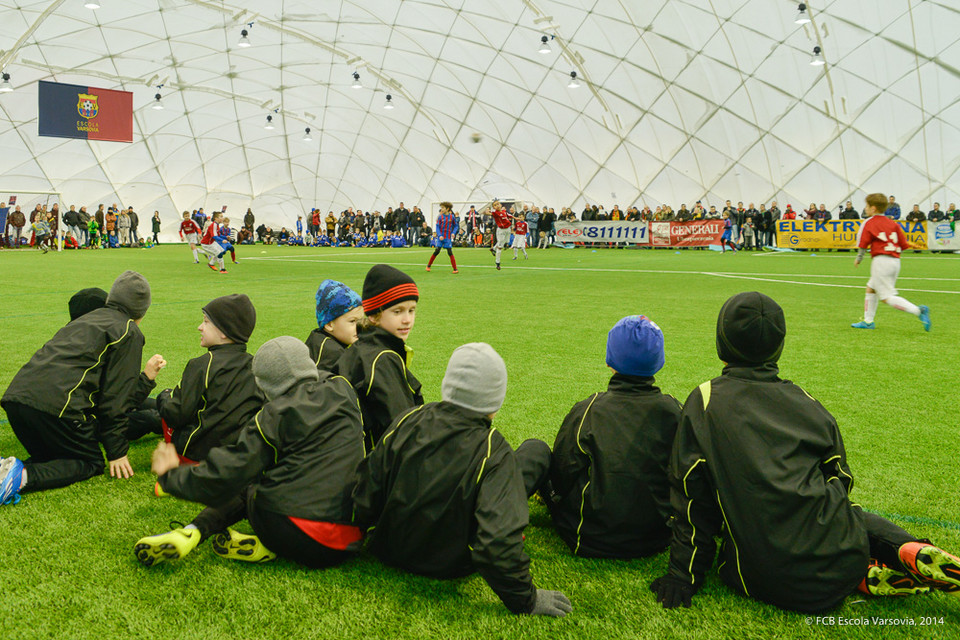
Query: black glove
[671, 591]
[551, 603]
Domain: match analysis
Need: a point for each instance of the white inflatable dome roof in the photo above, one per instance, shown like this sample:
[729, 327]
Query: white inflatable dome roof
[680, 100]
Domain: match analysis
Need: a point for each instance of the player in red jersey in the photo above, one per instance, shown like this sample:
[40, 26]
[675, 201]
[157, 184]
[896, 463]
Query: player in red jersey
[210, 246]
[520, 229]
[886, 241]
[504, 221]
[190, 232]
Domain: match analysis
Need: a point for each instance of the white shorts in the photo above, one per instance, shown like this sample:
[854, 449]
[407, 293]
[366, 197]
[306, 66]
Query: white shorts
[503, 237]
[191, 238]
[519, 242]
[883, 276]
[213, 250]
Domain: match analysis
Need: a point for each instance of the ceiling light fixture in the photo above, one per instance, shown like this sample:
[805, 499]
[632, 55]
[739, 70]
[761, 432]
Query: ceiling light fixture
[306, 135]
[157, 105]
[91, 5]
[388, 105]
[5, 86]
[269, 126]
[802, 17]
[574, 83]
[356, 81]
[544, 47]
[817, 60]
[244, 40]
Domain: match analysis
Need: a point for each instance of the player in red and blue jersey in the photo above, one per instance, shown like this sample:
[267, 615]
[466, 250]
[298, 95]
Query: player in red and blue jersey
[447, 227]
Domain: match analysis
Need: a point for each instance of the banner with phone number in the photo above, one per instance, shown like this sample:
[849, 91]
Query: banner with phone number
[603, 231]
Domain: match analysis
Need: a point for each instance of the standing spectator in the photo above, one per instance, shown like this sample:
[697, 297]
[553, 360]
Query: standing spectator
[72, 221]
[315, 222]
[134, 227]
[111, 228]
[123, 228]
[4, 213]
[84, 219]
[774, 221]
[823, 214]
[416, 224]
[249, 220]
[101, 217]
[587, 214]
[16, 221]
[331, 222]
[746, 232]
[155, 223]
[399, 220]
[547, 221]
[953, 214]
[935, 215]
[810, 213]
[532, 217]
[893, 209]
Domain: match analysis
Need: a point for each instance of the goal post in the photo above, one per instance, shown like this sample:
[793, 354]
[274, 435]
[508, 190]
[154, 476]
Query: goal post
[27, 200]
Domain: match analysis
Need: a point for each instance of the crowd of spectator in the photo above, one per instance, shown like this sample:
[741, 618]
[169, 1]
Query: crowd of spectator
[113, 227]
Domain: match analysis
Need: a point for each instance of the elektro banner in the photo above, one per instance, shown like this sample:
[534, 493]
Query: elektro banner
[603, 231]
[76, 111]
[838, 234]
[700, 233]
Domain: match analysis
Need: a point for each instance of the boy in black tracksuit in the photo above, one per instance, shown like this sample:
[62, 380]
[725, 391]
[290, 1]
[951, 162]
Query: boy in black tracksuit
[217, 394]
[291, 468]
[338, 312]
[74, 395]
[770, 476]
[609, 494]
[376, 364]
[470, 514]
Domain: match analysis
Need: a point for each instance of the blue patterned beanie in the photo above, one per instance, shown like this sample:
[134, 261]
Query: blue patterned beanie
[333, 300]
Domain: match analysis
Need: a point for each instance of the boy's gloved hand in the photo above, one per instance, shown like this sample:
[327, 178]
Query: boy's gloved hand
[551, 603]
[672, 592]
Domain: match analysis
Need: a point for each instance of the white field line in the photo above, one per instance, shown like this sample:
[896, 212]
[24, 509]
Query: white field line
[816, 284]
[850, 255]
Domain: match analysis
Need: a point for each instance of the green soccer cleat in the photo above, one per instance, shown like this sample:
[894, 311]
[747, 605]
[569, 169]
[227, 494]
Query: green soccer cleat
[172, 545]
[240, 546]
[884, 581]
[932, 566]
[863, 324]
[925, 317]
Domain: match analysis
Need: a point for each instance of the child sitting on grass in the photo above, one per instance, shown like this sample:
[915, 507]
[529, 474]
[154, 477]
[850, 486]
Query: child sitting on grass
[338, 312]
[288, 473]
[444, 495]
[217, 394]
[376, 364]
[770, 476]
[608, 494]
[74, 395]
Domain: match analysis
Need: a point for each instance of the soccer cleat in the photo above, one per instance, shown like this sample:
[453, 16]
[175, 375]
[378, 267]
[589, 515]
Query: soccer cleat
[498, 266]
[11, 479]
[212, 266]
[456, 270]
[223, 270]
[240, 546]
[172, 545]
[863, 324]
[428, 269]
[932, 566]
[196, 262]
[884, 581]
[514, 257]
[925, 317]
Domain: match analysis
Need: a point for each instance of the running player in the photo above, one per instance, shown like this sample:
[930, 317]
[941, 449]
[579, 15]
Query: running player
[886, 240]
[210, 246]
[190, 232]
[447, 227]
[504, 221]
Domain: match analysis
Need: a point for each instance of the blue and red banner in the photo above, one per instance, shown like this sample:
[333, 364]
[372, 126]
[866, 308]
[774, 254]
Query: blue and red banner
[76, 111]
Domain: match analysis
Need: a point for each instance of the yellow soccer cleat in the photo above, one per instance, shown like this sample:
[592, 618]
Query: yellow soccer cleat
[172, 545]
[240, 546]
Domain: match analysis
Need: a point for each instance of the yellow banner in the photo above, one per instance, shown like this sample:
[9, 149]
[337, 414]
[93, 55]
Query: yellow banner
[838, 234]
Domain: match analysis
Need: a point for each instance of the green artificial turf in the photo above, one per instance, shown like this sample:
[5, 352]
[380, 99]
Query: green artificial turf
[66, 556]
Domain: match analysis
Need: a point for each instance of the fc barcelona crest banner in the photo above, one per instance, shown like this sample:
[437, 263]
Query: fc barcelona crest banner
[75, 111]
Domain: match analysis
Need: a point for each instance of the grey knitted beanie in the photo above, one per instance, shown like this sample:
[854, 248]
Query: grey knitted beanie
[281, 363]
[476, 378]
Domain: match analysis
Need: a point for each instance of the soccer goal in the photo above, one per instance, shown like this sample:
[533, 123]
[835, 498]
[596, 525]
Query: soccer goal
[27, 200]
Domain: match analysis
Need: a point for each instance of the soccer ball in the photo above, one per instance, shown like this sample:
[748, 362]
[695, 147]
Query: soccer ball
[475, 137]
[87, 106]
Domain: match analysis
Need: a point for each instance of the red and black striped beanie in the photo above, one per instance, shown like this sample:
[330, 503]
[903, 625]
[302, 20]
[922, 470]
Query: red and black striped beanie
[386, 286]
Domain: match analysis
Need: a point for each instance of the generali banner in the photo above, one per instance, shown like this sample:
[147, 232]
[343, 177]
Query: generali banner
[700, 233]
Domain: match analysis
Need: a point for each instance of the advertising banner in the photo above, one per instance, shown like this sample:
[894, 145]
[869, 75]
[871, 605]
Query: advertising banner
[76, 111]
[700, 233]
[942, 236]
[838, 234]
[603, 231]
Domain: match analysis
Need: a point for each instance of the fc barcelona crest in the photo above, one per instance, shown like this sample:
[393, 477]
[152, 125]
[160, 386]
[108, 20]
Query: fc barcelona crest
[87, 106]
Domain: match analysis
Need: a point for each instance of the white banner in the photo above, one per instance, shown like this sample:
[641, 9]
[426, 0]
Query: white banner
[942, 236]
[603, 231]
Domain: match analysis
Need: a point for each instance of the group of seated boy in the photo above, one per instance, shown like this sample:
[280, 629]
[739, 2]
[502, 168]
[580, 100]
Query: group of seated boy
[326, 448]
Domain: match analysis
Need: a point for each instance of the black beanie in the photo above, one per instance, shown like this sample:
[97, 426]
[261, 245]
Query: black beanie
[234, 315]
[750, 329]
[386, 286]
[85, 301]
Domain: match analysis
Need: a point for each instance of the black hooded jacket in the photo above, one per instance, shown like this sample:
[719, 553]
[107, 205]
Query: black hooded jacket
[759, 462]
[88, 372]
[216, 397]
[325, 350]
[300, 452]
[443, 497]
[609, 471]
[376, 366]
